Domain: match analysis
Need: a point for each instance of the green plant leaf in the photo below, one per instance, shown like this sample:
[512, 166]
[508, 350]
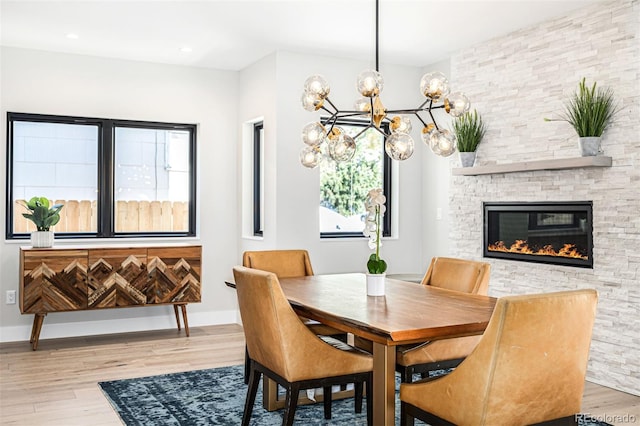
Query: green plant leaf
[41, 214]
[469, 130]
[375, 265]
[589, 110]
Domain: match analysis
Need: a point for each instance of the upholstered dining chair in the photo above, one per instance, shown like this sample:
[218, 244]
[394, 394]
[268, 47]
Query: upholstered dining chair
[468, 276]
[453, 274]
[282, 348]
[529, 367]
[287, 264]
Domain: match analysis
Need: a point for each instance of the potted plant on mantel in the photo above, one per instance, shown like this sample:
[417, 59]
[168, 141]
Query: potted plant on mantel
[44, 217]
[469, 130]
[372, 229]
[590, 110]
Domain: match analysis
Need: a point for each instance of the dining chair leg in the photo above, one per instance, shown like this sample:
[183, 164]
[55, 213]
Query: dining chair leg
[326, 399]
[246, 365]
[407, 375]
[405, 418]
[291, 403]
[252, 390]
[358, 389]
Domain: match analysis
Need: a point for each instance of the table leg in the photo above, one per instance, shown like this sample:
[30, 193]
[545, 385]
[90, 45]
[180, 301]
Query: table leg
[384, 384]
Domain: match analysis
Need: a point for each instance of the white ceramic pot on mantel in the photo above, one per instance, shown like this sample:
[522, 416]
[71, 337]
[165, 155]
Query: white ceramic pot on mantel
[589, 145]
[375, 284]
[42, 239]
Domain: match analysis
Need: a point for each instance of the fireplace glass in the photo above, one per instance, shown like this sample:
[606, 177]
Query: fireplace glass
[550, 232]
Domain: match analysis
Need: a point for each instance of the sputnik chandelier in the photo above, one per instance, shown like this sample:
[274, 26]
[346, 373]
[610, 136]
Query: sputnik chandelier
[399, 145]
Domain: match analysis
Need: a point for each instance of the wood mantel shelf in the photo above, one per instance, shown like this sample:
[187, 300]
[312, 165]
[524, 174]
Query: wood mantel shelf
[528, 166]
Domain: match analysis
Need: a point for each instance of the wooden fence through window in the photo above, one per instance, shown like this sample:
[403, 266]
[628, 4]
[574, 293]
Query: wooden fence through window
[130, 216]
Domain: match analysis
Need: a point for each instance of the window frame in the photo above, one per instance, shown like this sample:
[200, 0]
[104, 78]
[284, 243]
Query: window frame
[105, 170]
[386, 182]
[258, 177]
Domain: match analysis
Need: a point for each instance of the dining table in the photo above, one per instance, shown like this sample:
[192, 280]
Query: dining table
[407, 313]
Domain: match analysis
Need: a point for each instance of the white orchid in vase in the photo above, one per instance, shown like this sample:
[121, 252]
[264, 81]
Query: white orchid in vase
[372, 229]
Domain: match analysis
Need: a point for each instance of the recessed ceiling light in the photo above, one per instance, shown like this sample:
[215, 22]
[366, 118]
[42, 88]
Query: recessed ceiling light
[186, 49]
[72, 36]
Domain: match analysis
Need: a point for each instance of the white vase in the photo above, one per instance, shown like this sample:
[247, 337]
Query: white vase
[467, 159]
[589, 146]
[375, 284]
[42, 239]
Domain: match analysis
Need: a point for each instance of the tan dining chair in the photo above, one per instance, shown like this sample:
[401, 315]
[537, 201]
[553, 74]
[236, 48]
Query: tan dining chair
[282, 348]
[529, 367]
[285, 264]
[468, 276]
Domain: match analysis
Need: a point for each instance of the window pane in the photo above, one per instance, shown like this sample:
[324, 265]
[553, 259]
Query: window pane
[258, 179]
[152, 175]
[344, 186]
[57, 161]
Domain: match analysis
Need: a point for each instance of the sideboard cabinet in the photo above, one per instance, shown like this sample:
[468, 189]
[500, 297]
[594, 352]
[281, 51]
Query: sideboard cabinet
[64, 279]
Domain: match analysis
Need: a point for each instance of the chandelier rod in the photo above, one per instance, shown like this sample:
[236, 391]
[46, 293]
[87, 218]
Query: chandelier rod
[377, 36]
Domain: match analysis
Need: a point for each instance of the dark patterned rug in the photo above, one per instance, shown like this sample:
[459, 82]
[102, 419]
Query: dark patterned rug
[216, 397]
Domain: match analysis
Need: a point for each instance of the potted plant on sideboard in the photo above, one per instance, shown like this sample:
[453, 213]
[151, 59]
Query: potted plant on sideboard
[44, 217]
[590, 110]
[469, 130]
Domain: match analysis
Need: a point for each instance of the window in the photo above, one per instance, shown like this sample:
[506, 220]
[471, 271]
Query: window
[258, 178]
[344, 186]
[115, 178]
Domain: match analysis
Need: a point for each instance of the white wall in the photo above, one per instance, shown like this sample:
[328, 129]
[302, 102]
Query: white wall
[220, 103]
[298, 187]
[52, 83]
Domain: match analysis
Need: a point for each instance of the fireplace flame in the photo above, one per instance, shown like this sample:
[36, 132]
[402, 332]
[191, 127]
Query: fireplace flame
[521, 247]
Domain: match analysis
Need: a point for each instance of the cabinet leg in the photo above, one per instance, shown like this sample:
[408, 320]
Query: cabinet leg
[183, 307]
[175, 310]
[38, 319]
[184, 319]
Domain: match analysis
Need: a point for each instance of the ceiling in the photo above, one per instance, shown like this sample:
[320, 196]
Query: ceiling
[233, 34]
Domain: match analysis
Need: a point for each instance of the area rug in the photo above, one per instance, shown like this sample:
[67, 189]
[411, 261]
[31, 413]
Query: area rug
[216, 397]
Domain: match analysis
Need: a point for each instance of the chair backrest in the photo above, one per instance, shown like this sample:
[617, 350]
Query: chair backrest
[468, 276]
[277, 339]
[283, 263]
[529, 366]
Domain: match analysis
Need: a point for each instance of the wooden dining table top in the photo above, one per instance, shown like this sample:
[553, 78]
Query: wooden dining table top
[407, 313]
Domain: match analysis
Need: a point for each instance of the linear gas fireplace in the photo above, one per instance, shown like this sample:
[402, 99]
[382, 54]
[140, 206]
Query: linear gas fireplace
[544, 232]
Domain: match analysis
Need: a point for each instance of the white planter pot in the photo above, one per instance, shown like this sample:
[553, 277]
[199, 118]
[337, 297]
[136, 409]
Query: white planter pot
[42, 239]
[467, 159]
[375, 284]
[589, 146]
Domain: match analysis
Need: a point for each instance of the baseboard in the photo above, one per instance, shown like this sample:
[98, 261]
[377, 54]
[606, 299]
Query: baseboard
[160, 321]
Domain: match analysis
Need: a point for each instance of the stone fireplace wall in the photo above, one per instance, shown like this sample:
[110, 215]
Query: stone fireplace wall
[514, 82]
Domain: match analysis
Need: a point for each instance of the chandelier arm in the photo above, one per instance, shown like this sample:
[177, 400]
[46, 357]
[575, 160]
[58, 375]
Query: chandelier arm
[379, 130]
[433, 120]
[330, 103]
[362, 131]
[421, 120]
[328, 110]
[333, 117]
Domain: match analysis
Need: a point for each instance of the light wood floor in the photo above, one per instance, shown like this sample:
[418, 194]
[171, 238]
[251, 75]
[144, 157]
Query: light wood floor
[57, 384]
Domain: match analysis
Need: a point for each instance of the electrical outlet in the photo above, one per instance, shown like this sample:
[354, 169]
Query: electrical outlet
[439, 213]
[11, 297]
